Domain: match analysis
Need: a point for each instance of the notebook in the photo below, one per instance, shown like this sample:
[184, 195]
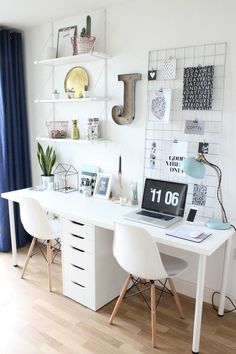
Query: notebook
[163, 203]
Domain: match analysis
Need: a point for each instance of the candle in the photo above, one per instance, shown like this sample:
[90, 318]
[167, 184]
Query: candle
[119, 164]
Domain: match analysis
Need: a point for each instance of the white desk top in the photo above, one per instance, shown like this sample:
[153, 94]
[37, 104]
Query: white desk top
[103, 213]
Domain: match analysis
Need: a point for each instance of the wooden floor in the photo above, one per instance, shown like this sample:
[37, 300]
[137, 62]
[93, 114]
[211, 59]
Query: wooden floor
[32, 320]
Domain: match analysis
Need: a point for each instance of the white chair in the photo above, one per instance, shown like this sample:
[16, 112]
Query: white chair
[37, 224]
[138, 254]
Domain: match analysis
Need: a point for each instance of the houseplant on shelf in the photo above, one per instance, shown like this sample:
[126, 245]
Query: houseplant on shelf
[85, 43]
[46, 161]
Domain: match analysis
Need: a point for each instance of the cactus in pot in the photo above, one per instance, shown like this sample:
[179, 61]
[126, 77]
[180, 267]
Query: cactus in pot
[86, 31]
[46, 161]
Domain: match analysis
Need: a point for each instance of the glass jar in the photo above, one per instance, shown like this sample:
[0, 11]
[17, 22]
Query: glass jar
[134, 193]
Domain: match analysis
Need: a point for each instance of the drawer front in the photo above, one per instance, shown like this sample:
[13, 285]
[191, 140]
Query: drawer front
[78, 274]
[79, 242]
[77, 257]
[77, 228]
[82, 294]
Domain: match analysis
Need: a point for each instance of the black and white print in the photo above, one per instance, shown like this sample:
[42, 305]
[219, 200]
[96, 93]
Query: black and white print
[87, 179]
[153, 155]
[198, 88]
[167, 70]
[173, 155]
[152, 75]
[203, 148]
[194, 127]
[199, 194]
[159, 102]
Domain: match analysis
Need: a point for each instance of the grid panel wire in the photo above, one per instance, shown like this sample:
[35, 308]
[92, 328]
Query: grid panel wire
[164, 134]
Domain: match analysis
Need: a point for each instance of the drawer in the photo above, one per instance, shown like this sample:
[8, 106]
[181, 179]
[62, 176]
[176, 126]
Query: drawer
[77, 257]
[82, 294]
[79, 242]
[77, 274]
[77, 228]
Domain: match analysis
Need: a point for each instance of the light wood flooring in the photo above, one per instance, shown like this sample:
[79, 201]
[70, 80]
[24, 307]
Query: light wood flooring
[32, 320]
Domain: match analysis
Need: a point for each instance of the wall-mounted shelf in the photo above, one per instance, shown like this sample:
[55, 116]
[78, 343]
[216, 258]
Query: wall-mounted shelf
[73, 59]
[74, 141]
[73, 100]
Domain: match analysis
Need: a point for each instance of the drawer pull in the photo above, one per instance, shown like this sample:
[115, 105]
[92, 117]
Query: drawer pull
[77, 223]
[77, 249]
[73, 265]
[82, 286]
[77, 236]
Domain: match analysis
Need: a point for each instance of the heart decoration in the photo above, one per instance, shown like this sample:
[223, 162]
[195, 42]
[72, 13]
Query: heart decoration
[152, 75]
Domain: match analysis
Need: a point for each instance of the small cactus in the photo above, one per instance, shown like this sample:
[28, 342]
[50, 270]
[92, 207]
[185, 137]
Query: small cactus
[88, 26]
[83, 32]
[86, 32]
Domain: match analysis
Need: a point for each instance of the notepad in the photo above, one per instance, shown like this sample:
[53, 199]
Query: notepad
[184, 233]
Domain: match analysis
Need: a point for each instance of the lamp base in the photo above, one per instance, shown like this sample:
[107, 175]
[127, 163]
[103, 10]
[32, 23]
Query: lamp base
[217, 224]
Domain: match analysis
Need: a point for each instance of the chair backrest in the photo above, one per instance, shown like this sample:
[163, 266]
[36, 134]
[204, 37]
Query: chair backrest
[137, 253]
[35, 220]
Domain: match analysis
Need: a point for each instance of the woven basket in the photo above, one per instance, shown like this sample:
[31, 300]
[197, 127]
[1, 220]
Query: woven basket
[85, 44]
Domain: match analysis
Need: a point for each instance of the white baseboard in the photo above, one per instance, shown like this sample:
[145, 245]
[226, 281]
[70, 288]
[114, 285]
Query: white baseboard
[189, 289]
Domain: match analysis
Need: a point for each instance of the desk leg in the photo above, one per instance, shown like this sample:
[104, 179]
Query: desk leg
[224, 277]
[13, 232]
[198, 304]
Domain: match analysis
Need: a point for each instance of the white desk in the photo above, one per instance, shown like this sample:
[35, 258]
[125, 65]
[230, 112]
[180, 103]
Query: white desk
[103, 213]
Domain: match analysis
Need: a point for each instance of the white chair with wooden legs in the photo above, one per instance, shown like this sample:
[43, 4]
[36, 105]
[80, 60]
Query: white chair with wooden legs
[138, 254]
[37, 224]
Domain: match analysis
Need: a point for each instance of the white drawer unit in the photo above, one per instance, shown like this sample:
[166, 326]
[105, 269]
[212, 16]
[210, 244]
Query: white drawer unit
[91, 275]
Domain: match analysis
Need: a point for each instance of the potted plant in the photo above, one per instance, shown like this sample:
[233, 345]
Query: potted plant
[85, 42]
[46, 161]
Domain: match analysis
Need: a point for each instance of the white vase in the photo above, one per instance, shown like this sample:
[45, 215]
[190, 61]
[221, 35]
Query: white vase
[47, 181]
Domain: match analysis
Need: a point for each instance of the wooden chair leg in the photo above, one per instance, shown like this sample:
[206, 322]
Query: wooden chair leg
[49, 261]
[176, 298]
[28, 256]
[153, 313]
[120, 298]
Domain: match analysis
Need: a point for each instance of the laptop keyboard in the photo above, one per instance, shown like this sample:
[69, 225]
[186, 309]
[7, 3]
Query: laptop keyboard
[155, 215]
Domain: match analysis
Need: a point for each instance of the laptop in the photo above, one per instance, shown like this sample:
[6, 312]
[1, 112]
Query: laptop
[163, 203]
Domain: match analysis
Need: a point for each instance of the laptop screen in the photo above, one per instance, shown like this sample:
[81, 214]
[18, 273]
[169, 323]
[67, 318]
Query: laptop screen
[164, 196]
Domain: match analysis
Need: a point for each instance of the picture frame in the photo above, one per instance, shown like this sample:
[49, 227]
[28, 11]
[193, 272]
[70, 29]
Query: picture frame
[103, 186]
[65, 39]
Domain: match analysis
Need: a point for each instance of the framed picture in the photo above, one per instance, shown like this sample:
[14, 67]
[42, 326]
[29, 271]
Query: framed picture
[103, 186]
[65, 41]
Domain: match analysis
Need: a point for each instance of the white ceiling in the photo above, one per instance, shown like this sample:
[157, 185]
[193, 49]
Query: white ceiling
[26, 13]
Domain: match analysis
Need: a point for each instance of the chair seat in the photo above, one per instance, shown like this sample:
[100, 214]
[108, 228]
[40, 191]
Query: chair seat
[173, 265]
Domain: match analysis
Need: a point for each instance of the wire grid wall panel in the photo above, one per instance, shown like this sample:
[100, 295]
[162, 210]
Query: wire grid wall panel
[164, 134]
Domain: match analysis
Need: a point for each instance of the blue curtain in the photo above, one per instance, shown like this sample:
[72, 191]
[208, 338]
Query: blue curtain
[15, 170]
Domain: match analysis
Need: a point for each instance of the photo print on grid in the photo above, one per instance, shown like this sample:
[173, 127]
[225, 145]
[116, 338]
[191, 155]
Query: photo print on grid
[199, 194]
[167, 71]
[203, 148]
[153, 155]
[159, 105]
[198, 88]
[194, 127]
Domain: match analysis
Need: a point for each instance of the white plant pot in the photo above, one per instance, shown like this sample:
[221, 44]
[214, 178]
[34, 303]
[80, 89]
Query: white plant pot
[47, 182]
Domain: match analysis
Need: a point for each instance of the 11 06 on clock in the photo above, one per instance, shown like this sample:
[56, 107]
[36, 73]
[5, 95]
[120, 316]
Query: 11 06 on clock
[165, 197]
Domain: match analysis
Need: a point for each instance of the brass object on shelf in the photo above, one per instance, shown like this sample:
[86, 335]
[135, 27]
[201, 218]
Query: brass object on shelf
[76, 79]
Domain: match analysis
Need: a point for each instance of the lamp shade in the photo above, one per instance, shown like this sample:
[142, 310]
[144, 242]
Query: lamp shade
[193, 167]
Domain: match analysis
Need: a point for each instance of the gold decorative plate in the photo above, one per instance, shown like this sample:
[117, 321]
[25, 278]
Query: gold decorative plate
[76, 79]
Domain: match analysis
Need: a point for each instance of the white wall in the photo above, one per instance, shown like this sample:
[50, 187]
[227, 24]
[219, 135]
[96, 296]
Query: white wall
[133, 29]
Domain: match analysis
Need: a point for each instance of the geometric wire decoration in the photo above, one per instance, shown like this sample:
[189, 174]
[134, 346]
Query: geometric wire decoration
[65, 178]
[160, 136]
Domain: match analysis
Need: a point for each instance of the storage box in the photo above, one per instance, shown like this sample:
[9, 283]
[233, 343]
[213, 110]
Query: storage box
[57, 129]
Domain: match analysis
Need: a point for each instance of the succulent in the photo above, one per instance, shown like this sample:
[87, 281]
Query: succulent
[46, 159]
[86, 32]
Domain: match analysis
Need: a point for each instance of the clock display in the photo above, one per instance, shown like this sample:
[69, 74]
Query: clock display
[164, 196]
